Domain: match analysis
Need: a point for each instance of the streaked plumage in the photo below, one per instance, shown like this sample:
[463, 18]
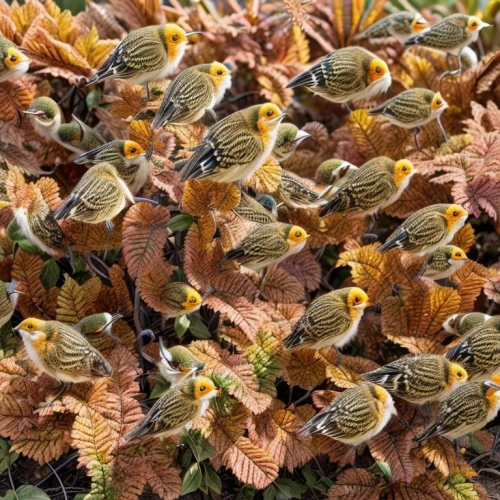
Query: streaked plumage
[179, 298]
[192, 93]
[62, 352]
[331, 319]
[479, 350]
[443, 262]
[354, 416]
[96, 324]
[427, 229]
[176, 409]
[99, 196]
[266, 245]
[13, 63]
[294, 193]
[75, 136]
[251, 209]
[334, 172]
[236, 146]
[128, 157]
[344, 75]
[465, 411]
[8, 301]
[401, 25]
[373, 186]
[289, 137]
[460, 324]
[419, 379]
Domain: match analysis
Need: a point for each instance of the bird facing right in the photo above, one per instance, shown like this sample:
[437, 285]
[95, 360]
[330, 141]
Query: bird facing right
[13, 63]
[334, 172]
[427, 229]
[443, 262]
[460, 324]
[289, 137]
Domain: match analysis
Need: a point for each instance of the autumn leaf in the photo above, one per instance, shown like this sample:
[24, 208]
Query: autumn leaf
[202, 196]
[267, 177]
[440, 452]
[74, 301]
[282, 287]
[355, 484]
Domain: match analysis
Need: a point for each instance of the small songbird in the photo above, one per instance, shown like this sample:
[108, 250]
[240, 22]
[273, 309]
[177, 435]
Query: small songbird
[192, 93]
[401, 25]
[266, 245]
[354, 416]
[176, 409]
[331, 319]
[460, 324]
[334, 172]
[450, 35]
[60, 351]
[8, 301]
[427, 229]
[98, 197]
[479, 350]
[419, 379]
[128, 157]
[413, 109]
[465, 411]
[294, 193]
[373, 186]
[97, 324]
[75, 136]
[345, 75]
[289, 137]
[145, 54]
[38, 225]
[178, 299]
[262, 210]
[443, 262]
[13, 63]
[236, 146]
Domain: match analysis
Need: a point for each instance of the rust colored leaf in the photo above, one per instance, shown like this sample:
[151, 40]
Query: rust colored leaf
[354, 484]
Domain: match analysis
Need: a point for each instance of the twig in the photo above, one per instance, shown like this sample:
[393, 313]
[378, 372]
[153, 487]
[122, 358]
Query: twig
[59, 480]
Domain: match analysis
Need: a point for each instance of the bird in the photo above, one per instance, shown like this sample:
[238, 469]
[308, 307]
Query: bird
[38, 224]
[330, 320]
[344, 75]
[443, 262]
[354, 416]
[465, 411]
[427, 229]
[373, 186]
[63, 353]
[13, 63]
[334, 172]
[451, 35]
[294, 193]
[128, 157]
[176, 409]
[413, 109]
[289, 137]
[400, 25]
[75, 136]
[192, 93]
[479, 350]
[266, 245]
[175, 364]
[98, 197]
[236, 146]
[419, 379]
[460, 324]
[179, 298]
[262, 210]
[8, 301]
[145, 54]
[97, 324]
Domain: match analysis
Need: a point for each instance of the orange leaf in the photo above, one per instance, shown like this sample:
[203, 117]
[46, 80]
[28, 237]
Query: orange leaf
[355, 484]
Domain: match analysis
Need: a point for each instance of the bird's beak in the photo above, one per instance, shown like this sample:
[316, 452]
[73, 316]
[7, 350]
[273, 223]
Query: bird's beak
[277, 119]
[149, 152]
[34, 112]
[190, 33]
[485, 25]
[492, 384]
[301, 135]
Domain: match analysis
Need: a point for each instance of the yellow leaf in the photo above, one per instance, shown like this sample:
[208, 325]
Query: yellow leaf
[141, 132]
[305, 368]
[74, 300]
[267, 178]
[24, 15]
[465, 238]
[93, 48]
[202, 196]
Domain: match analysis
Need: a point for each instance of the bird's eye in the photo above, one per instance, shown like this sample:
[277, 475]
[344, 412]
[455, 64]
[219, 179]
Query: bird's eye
[404, 169]
[132, 150]
[459, 254]
[192, 300]
[298, 234]
[378, 69]
[270, 112]
[474, 24]
[29, 326]
[357, 299]
[13, 58]
[219, 72]
[175, 38]
[203, 388]
[455, 214]
[459, 374]
[438, 102]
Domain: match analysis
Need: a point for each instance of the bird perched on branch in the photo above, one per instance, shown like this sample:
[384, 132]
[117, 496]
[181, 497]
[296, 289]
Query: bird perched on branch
[354, 416]
[13, 63]
[289, 137]
[192, 93]
[145, 54]
[8, 301]
[460, 324]
[236, 146]
[427, 229]
[128, 157]
[419, 379]
[75, 136]
[413, 109]
[334, 172]
[345, 75]
[465, 411]
[443, 262]
[176, 409]
[401, 25]
[373, 186]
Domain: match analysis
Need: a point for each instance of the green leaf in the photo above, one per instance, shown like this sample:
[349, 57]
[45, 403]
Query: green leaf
[212, 478]
[476, 445]
[270, 493]
[385, 469]
[198, 328]
[27, 246]
[161, 387]
[201, 448]
[246, 493]
[293, 489]
[310, 477]
[192, 479]
[324, 484]
[50, 273]
[26, 492]
[180, 222]
[93, 98]
[8, 341]
[7, 458]
[14, 231]
[181, 325]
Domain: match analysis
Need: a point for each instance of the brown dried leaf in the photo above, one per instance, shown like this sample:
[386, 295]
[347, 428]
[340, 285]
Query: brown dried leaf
[354, 484]
[281, 287]
[202, 196]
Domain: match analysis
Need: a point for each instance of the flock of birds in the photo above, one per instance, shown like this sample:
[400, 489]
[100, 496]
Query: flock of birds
[466, 379]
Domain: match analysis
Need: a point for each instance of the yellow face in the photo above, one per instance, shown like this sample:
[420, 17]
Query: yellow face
[132, 149]
[31, 325]
[193, 300]
[418, 24]
[458, 374]
[378, 69]
[269, 118]
[453, 214]
[297, 234]
[174, 35]
[14, 57]
[473, 24]
[203, 387]
[438, 102]
[402, 169]
[458, 254]
[357, 299]
[218, 70]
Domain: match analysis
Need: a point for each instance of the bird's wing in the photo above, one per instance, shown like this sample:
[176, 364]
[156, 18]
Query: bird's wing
[250, 209]
[425, 263]
[406, 108]
[313, 77]
[89, 135]
[90, 156]
[442, 35]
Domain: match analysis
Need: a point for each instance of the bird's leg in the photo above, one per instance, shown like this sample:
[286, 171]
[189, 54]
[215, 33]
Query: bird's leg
[454, 72]
[416, 131]
[305, 396]
[212, 114]
[145, 200]
[146, 88]
[109, 227]
[340, 357]
[440, 125]
[263, 277]
[348, 107]
[63, 386]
